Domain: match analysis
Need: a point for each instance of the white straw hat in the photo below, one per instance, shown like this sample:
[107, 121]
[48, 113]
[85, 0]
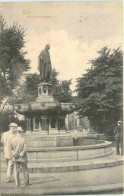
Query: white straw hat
[19, 129]
[13, 125]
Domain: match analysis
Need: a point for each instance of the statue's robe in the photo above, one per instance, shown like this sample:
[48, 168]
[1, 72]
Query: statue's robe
[44, 65]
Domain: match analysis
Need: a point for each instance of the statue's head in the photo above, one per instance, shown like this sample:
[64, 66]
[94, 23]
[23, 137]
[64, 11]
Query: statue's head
[47, 47]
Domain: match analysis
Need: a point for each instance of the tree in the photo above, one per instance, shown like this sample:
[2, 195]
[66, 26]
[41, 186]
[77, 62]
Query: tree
[62, 91]
[100, 90]
[6, 118]
[61, 88]
[12, 57]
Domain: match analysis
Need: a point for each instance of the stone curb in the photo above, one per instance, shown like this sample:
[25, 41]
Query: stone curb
[42, 169]
[75, 167]
[63, 191]
[69, 148]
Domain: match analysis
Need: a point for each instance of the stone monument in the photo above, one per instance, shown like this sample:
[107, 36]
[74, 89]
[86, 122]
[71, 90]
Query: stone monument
[44, 64]
[46, 115]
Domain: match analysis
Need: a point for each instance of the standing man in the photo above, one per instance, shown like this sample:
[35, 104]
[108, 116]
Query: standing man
[119, 137]
[6, 138]
[44, 64]
[18, 151]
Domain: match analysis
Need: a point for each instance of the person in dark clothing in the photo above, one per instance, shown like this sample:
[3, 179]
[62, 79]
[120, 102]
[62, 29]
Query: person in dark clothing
[119, 137]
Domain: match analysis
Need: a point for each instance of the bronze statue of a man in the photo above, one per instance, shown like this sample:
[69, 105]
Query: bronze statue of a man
[44, 64]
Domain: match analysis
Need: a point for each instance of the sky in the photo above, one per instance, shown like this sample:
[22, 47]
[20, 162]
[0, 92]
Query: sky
[75, 31]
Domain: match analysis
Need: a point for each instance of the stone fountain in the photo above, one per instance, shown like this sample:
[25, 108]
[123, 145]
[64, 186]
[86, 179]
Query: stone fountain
[45, 117]
[45, 124]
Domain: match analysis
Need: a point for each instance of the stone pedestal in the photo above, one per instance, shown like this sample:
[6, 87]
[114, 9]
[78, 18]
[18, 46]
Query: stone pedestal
[44, 89]
[45, 115]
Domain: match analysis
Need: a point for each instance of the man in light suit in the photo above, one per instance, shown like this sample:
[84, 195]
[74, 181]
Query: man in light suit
[18, 149]
[6, 138]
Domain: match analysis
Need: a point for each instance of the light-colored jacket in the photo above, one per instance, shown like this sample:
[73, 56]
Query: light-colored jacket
[18, 146]
[6, 138]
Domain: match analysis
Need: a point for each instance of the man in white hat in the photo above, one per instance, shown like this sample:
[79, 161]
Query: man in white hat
[19, 156]
[6, 138]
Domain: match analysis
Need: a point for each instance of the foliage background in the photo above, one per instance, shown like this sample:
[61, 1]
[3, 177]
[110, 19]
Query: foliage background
[100, 91]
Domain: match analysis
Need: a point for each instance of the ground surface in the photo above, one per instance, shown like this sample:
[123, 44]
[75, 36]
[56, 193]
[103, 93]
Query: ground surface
[68, 182]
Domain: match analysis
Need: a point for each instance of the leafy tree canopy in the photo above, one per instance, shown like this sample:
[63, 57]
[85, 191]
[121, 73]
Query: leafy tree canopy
[100, 90]
[6, 118]
[12, 57]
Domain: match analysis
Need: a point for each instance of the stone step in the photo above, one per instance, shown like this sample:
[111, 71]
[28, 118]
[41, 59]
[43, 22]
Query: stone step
[111, 161]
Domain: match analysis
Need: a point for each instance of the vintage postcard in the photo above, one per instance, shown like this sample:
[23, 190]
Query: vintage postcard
[61, 97]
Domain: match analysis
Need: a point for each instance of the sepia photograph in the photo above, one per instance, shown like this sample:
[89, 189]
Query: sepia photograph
[61, 98]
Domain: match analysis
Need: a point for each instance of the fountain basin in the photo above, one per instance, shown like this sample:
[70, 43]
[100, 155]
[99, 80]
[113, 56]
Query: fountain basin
[40, 141]
[86, 140]
[70, 153]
